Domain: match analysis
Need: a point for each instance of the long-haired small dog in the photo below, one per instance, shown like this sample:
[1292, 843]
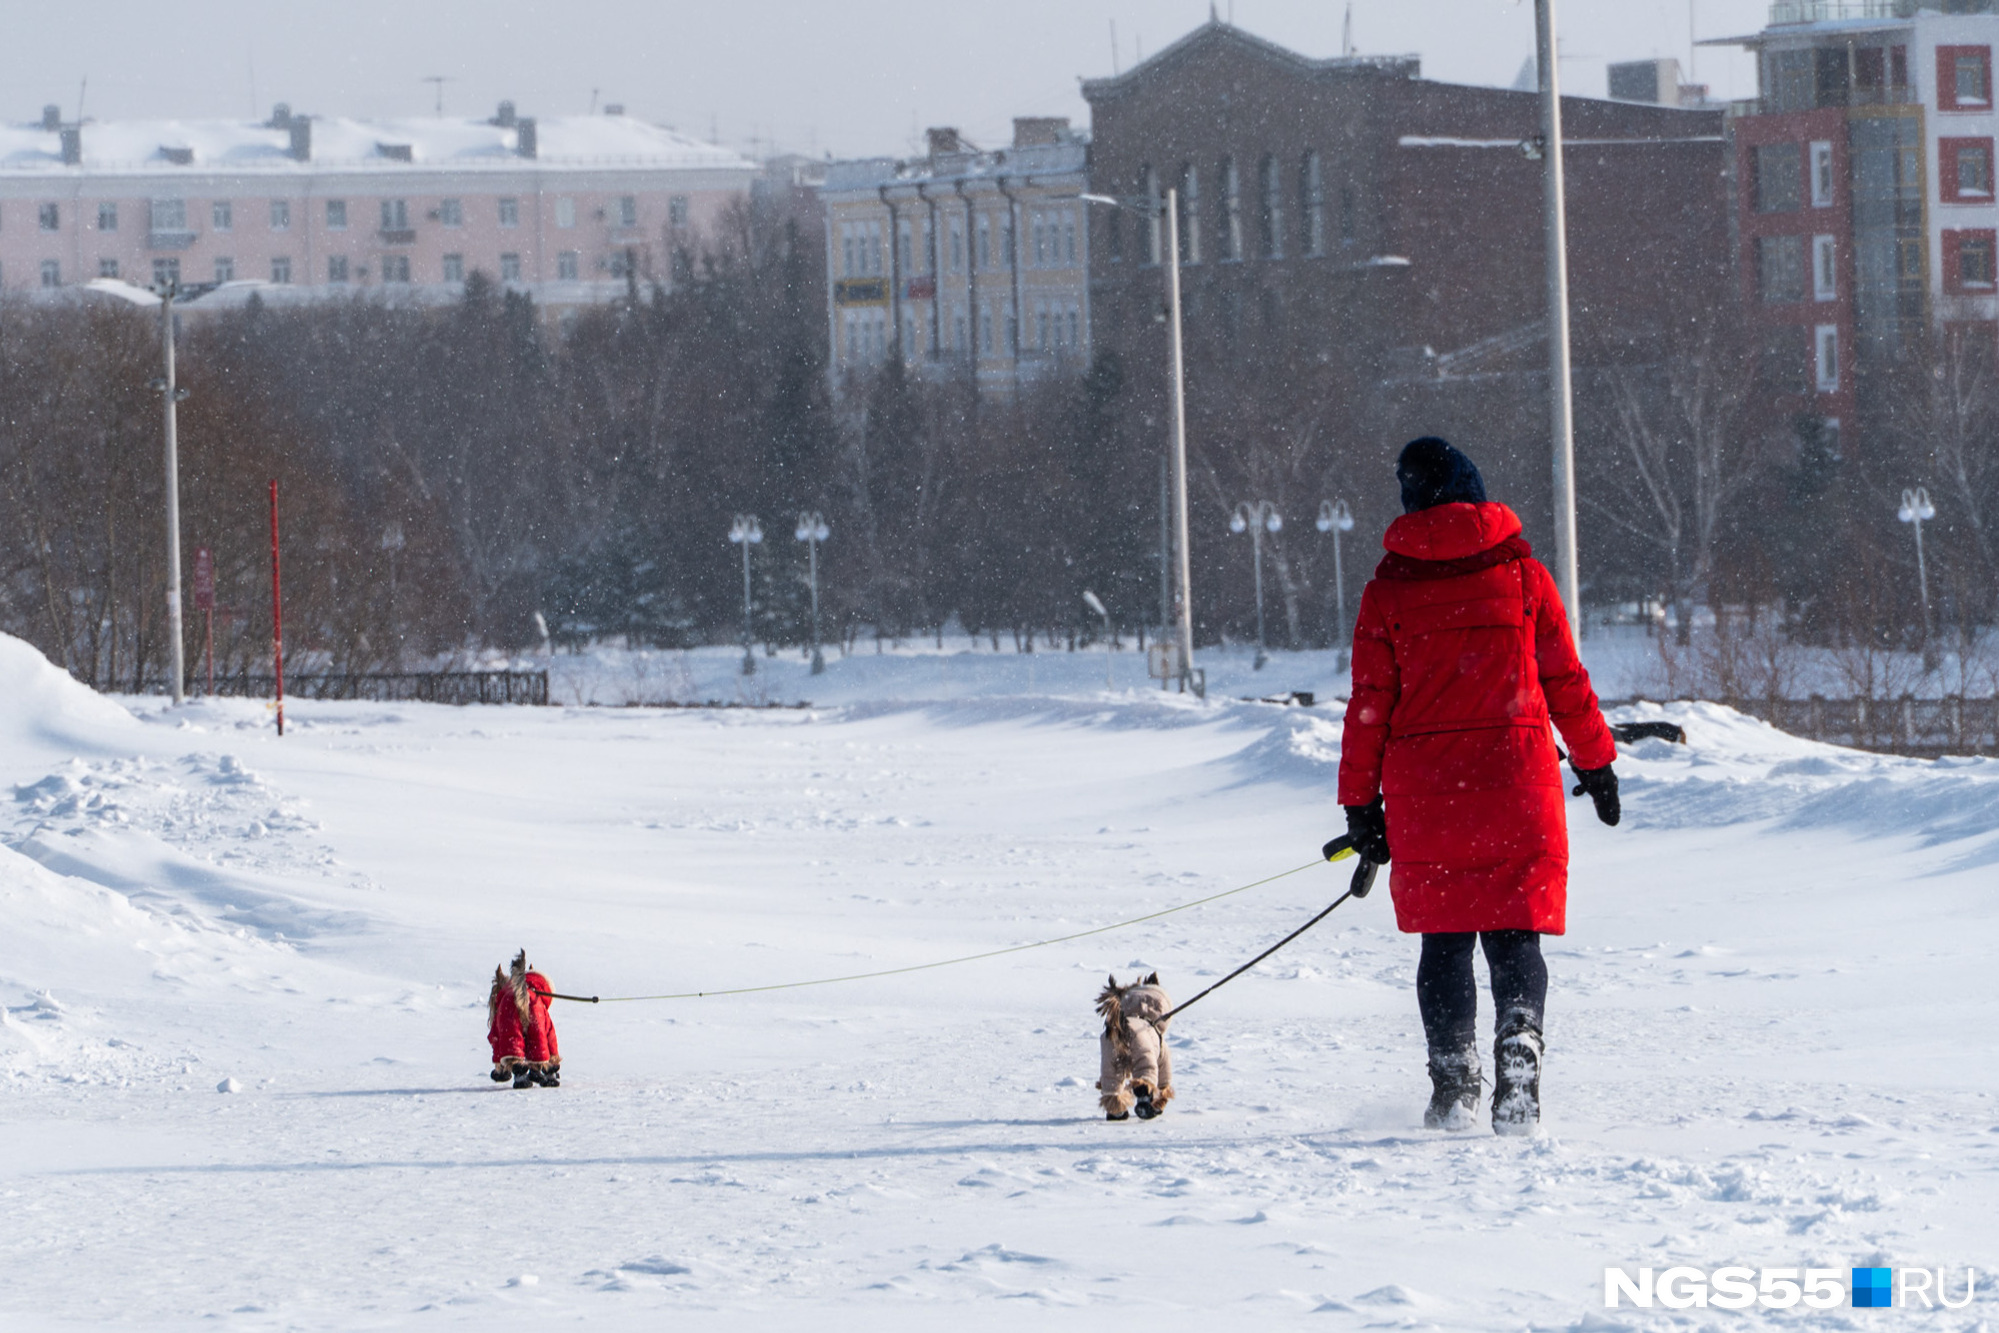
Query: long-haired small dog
[1137, 1072]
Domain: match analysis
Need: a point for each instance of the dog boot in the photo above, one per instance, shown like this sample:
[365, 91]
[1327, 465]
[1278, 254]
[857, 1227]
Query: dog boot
[501, 1074]
[523, 1076]
[550, 1077]
[1143, 1104]
[1516, 1075]
[1117, 1115]
[1455, 1081]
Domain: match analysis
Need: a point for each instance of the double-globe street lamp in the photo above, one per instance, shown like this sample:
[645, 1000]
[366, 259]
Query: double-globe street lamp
[812, 530]
[1336, 518]
[1917, 510]
[746, 532]
[1257, 517]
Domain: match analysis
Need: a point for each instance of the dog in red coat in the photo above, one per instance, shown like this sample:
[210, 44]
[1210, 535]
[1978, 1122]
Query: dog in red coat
[519, 1029]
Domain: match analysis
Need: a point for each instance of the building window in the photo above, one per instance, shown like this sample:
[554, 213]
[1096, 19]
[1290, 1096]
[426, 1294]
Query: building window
[1312, 205]
[1825, 268]
[281, 215]
[1190, 214]
[960, 332]
[1909, 258]
[1827, 360]
[628, 211]
[1821, 175]
[169, 215]
[1777, 183]
[107, 268]
[454, 268]
[1780, 268]
[395, 215]
[565, 212]
[1964, 78]
[451, 212]
[49, 216]
[1349, 216]
[1965, 170]
[1148, 189]
[395, 268]
[222, 215]
[676, 211]
[1075, 327]
[281, 270]
[986, 327]
[1270, 209]
[957, 232]
[510, 268]
[1968, 262]
[225, 269]
[1228, 219]
[336, 269]
[566, 266]
[1069, 239]
[166, 273]
[107, 216]
[51, 273]
[510, 212]
[336, 215]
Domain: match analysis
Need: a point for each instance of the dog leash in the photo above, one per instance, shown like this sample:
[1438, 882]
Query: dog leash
[1361, 885]
[975, 957]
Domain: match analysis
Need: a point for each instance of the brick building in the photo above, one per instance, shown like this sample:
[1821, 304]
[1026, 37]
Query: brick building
[1354, 231]
[325, 205]
[1865, 202]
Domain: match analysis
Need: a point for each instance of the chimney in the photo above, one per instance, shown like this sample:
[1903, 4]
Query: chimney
[51, 117]
[281, 116]
[72, 145]
[944, 139]
[301, 128]
[1031, 130]
[505, 118]
[529, 142]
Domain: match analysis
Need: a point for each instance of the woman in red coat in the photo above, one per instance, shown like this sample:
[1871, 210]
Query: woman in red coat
[519, 1029]
[1461, 657]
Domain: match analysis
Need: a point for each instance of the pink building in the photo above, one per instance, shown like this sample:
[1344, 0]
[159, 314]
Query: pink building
[558, 206]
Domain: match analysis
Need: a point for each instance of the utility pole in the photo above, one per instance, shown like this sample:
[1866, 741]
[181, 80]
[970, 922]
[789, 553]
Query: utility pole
[1560, 398]
[172, 393]
[1183, 560]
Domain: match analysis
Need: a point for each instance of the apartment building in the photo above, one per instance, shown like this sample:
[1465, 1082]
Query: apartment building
[562, 207]
[965, 261]
[1865, 200]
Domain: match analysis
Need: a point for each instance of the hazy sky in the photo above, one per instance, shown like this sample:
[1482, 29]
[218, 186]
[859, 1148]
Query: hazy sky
[851, 76]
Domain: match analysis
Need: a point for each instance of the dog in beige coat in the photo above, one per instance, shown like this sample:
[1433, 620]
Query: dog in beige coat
[1137, 1072]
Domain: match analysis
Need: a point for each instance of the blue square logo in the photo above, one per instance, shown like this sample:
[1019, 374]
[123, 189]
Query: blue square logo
[1873, 1288]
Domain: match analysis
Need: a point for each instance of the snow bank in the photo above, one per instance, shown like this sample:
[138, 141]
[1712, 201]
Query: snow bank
[40, 702]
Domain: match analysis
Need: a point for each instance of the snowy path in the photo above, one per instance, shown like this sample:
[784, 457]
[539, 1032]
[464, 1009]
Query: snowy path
[1771, 1033]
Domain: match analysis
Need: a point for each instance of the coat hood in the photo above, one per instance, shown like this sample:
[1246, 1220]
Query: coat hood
[1451, 531]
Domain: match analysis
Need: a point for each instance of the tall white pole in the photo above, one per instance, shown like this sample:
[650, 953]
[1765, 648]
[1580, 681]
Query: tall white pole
[1561, 417]
[171, 393]
[1182, 561]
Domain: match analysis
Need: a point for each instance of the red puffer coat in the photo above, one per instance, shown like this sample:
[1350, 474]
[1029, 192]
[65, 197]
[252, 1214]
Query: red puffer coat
[517, 1021]
[1461, 654]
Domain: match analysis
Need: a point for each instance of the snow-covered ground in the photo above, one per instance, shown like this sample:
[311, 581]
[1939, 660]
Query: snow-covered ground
[1771, 1032]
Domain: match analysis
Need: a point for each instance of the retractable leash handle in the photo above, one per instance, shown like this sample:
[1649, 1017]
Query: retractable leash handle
[557, 995]
[1339, 849]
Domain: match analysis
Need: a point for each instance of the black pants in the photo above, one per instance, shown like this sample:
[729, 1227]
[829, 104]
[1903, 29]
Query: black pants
[1447, 994]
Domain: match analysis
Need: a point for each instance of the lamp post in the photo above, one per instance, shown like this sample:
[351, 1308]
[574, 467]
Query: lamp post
[1183, 560]
[746, 532]
[171, 393]
[1257, 517]
[392, 542]
[1336, 518]
[1096, 604]
[1561, 404]
[1917, 510]
[812, 530]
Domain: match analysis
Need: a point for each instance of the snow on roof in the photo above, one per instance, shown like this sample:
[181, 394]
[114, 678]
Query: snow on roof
[341, 143]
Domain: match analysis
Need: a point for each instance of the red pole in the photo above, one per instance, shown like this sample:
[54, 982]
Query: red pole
[209, 627]
[277, 612]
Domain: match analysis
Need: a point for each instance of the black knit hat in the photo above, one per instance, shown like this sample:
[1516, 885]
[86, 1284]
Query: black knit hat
[1432, 472]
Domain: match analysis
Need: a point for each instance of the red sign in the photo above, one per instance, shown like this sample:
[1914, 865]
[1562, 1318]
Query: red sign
[922, 289]
[204, 579]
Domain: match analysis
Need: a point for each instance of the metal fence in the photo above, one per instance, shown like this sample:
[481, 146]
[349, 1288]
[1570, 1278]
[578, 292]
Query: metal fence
[1925, 728]
[429, 687]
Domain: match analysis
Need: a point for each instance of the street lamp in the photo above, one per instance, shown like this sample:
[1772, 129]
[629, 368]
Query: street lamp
[746, 532]
[171, 393]
[1256, 518]
[392, 542]
[1917, 510]
[1183, 560]
[1336, 518]
[1096, 604]
[812, 530]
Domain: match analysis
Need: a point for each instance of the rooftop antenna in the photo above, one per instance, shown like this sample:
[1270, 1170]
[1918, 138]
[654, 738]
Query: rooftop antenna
[593, 101]
[1693, 46]
[1114, 69]
[81, 90]
[1346, 34]
[440, 80]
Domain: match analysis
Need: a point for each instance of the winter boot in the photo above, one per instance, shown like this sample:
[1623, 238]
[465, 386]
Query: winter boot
[523, 1076]
[1455, 1082]
[1143, 1106]
[551, 1077]
[501, 1073]
[1516, 1075]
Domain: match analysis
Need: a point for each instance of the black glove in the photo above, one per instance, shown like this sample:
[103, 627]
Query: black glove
[1600, 784]
[1367, 825]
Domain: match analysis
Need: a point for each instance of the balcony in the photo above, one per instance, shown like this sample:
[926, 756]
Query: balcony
[178, 238]
[397, 235]
[1784, 13]
[1851, 99]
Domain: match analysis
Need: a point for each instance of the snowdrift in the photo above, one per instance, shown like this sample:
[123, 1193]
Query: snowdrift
[42, 704]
